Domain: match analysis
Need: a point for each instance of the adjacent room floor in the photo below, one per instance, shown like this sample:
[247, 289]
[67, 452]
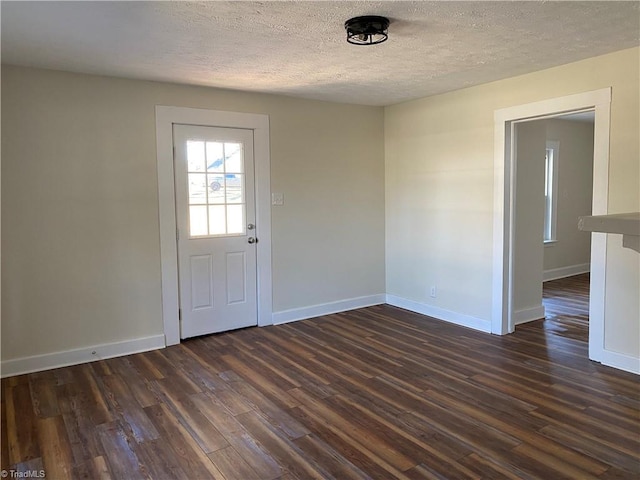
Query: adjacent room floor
[372, 393]
[566, 303]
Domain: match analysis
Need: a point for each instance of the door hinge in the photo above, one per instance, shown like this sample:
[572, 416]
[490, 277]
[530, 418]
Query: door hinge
[177, 234]
[174, 152]
[179, 314]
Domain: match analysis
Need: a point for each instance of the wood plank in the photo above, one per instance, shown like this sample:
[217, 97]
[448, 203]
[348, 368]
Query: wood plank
[22, 431]
[286, 453]
[555, 466]
[198, 425]
[157, 461]
[94, 469]
[357, 456]
[146, 364]
[78, 422]
[255, 454]
[57, 459]
[43, 397]
[591, 445]
[276, 416]
[4, 439]
[119, 451]
[215, 411]
[127, 409]
[264, 383]
[375, 447]
[302, 370]
[437, 451]
[332, 461]
[193, 460]
[507, 425]
[92, 397]
[232, 465]
[485, 467]
[140, 387]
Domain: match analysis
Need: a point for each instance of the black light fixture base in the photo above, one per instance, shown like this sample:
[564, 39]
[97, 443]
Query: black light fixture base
[367, 30]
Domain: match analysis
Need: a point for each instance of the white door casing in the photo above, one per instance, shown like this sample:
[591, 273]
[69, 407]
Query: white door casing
[215, 214]
[166, 117]
[599, 101]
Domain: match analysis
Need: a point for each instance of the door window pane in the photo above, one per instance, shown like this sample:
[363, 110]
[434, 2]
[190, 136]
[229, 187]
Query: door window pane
[215, 157]
[197, 188]
[195, 156]
[235, 219]
[234, 187]
[216, 188]
[217, 222]
[233, 157]
[198, 221]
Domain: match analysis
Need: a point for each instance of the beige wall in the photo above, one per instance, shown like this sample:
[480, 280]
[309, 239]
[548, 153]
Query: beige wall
[80, 238]
[439, 189]
[575, 188]
[528, 250]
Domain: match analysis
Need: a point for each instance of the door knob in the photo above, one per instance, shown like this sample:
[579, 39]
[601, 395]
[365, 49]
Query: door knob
[251, 226]
[252, 240]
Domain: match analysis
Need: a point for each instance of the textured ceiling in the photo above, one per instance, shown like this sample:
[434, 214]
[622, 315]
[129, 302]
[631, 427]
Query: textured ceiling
[299, 48]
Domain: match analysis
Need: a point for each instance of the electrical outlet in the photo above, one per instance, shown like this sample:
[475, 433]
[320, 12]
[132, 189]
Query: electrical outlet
[433, 292]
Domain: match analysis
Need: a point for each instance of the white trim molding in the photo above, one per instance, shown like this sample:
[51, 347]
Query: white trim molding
[502, 318]
[440, 313]
[527, 315]
[564, 272]
[38, 363]
[166, 117]
[295, 314]
[621, 361]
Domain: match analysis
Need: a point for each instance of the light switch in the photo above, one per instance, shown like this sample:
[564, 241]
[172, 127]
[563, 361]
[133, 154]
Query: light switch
[277, 199]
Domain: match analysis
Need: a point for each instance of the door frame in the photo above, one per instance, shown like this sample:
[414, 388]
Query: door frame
[166, 117]
[599, 101]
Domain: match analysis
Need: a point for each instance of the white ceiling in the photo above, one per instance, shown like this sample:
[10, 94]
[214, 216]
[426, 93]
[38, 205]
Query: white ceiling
[299, 48]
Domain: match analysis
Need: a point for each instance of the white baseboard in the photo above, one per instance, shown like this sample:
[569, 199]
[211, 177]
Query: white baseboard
[440, 313]
[563, 272]
[303, 313]
[65, 358]
[528, 315]
[38, 363]
[620, 361]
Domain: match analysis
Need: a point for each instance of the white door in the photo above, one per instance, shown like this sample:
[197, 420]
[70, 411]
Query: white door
[215, 214]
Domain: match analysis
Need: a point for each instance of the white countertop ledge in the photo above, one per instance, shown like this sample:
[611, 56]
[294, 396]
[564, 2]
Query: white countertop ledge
[627, 224]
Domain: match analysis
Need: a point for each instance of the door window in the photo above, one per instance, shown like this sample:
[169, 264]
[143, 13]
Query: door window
[216, 185]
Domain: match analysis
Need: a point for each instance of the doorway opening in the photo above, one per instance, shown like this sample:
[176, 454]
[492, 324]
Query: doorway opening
[505, 212]
[553, 188]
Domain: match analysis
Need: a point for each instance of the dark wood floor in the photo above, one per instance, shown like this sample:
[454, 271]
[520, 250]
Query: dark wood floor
[373, 393]
[566, 300]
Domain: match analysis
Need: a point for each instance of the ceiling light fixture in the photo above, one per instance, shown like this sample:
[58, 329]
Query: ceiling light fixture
[366, 30]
